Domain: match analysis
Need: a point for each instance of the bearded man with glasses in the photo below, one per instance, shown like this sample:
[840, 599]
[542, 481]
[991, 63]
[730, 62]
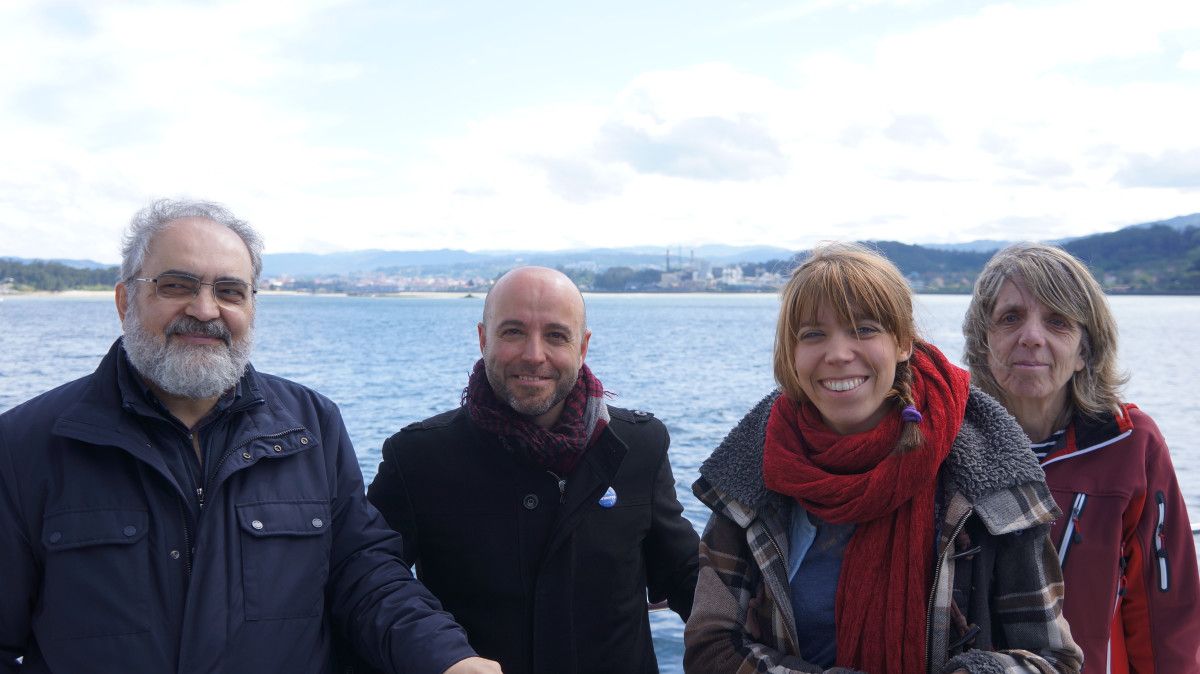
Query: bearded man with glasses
[177, 510]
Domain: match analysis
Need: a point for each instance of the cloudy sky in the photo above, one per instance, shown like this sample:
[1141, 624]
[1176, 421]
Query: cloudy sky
[348, 124]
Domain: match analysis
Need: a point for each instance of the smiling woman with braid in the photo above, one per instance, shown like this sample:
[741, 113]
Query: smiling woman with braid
[876, 514]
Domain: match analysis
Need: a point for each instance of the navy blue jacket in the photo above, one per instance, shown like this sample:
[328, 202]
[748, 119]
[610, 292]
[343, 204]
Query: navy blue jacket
[103, 569]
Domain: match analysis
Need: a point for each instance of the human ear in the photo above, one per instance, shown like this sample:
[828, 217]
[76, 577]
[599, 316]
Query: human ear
[122, 300]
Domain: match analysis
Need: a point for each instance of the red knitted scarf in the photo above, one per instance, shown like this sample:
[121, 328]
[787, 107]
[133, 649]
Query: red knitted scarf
[557, 449]
[886, 569]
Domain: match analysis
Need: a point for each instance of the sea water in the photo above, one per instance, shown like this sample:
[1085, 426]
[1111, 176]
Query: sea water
[698, 362]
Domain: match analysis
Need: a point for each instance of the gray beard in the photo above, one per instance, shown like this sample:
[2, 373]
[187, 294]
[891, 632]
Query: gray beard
[187, 371]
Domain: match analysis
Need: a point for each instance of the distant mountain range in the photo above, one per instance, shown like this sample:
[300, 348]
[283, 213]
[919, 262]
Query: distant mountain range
[987, 245]
[1160, 256]
[487, 263]
[73, 264]
[1179, 224]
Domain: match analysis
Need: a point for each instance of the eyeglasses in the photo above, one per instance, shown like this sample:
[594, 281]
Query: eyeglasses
[183, 287]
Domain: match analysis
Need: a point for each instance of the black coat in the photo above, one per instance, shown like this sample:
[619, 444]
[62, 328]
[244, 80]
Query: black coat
[102, 569]
[543, 582]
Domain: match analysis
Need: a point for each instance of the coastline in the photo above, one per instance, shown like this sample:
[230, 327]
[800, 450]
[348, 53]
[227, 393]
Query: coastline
[411, 295]
[479, 294]
[59, 293]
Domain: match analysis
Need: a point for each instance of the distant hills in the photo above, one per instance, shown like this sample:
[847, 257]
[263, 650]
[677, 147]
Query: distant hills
[489, 263]
[1180, 223]
[1153, 257]
[73, 264]
[977, 246]
[42, 275]
[1161, 257]
[1157, 257]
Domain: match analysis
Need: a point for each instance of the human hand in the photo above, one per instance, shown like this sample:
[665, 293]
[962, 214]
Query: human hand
[474, 665]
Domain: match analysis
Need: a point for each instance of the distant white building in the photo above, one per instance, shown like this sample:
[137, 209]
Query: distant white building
[583, 265]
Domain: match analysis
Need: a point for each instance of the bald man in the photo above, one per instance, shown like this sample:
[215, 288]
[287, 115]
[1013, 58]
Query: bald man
[540, 516]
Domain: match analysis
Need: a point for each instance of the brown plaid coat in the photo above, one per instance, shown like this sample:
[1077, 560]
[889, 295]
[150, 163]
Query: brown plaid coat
[996, 595]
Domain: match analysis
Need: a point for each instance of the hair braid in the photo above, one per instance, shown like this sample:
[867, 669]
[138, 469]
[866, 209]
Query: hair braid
[910, 433]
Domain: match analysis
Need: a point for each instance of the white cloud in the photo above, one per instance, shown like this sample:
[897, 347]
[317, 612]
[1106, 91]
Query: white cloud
[1031, 117]
[804, 9]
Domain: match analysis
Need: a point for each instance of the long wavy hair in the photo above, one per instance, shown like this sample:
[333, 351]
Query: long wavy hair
[1062, 283]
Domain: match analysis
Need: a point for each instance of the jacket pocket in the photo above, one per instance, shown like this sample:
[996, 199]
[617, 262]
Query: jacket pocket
[285, 558]
[96, 580]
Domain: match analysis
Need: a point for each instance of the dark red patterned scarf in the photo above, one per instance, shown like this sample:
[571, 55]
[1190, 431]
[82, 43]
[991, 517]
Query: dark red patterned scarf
[880, 605]
[557, 449]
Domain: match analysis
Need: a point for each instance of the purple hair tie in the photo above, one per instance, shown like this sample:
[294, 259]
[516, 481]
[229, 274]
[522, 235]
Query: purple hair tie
[910, 414]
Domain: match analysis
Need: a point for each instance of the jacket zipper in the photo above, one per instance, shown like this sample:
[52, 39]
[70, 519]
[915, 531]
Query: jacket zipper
[1160, 544]
[187, 538]
[937, 575]
[1116, 607]
[1069, 533]
[782, 559]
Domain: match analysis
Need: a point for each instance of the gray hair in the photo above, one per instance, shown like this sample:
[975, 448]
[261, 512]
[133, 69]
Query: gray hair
[148, 222]
[1061, 282]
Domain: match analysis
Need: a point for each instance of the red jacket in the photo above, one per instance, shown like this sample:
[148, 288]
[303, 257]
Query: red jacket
[1125, 543]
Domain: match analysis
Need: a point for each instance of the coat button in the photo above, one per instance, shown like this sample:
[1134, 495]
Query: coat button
[277, 448]
[245, 455]
[318, 522]
[174, 554]
[56, 537]
[530, 502]
[129, 530]
[304, 441]
[257, 525]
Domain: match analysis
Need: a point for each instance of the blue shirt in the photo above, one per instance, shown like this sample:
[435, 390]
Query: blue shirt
[814, 566]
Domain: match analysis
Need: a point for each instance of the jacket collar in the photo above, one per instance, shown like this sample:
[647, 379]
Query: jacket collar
[989, 463]
[1088, 434]
[105, 415]
[733, 472]
[600, 462]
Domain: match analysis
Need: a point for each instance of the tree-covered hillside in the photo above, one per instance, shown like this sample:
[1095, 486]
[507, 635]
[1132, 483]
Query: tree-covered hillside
[1149, 259]
[39, 275]
[931, 269]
